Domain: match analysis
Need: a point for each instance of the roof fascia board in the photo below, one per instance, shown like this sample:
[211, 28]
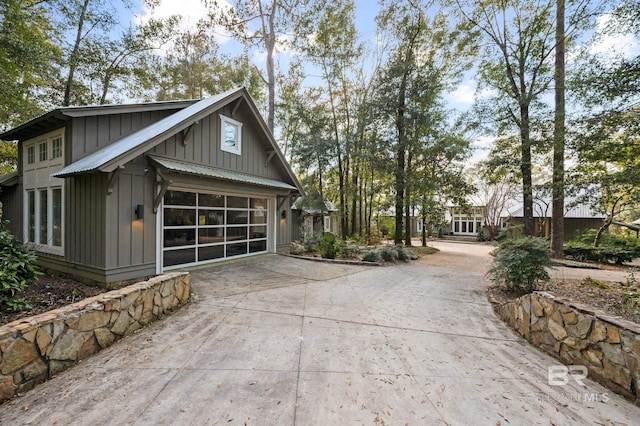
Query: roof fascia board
[124, 108]
[6, 136]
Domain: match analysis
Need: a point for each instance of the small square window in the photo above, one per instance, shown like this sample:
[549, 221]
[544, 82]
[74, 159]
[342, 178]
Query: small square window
[231, 135]
[43, 151]
[56, 150]
[31, 155]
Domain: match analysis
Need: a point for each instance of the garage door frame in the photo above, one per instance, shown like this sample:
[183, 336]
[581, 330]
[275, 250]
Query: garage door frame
[270, 225]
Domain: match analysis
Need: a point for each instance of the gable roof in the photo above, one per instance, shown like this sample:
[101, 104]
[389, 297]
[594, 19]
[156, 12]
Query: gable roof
[122, 151]
[60, 116]
[299, 204]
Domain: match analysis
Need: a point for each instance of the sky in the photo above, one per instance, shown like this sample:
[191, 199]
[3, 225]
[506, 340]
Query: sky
[460, 99]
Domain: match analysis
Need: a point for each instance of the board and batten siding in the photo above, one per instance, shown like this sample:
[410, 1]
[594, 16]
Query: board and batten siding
[284, 232]
[131, 243]
[85, 219]
[203, 146]
[92, 133]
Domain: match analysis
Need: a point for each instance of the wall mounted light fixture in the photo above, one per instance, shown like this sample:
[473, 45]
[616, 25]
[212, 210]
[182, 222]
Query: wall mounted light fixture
[139, 211]
[283, 214]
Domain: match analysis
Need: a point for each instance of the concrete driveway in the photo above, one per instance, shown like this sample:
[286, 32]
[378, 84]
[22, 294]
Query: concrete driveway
[272, 340]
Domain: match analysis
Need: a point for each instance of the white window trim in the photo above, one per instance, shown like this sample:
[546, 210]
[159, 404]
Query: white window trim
[238, 148]
[43, 183]
[37, 244]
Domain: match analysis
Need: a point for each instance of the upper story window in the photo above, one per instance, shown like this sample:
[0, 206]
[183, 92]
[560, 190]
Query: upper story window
[56, 148]
[231, 135]
[43, 151]
[31, 155]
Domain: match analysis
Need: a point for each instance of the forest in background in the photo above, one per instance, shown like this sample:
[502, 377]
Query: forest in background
[365, 123]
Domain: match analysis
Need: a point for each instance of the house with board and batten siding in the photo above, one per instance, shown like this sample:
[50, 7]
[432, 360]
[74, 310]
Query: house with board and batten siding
[112, 193]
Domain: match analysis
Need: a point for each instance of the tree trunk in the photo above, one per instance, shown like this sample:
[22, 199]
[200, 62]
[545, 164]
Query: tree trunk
[525, 168]
[73, 59]
[424, 226]
[601, 230]
[407, 202]
[557, 213]
[321, 192]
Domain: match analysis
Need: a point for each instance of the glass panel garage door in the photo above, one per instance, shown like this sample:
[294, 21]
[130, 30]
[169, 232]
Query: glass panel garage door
[202, 227]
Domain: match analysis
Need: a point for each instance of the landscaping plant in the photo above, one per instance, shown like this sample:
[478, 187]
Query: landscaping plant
[329, 246]
[519, 264]
[17, 269]
[614, 249]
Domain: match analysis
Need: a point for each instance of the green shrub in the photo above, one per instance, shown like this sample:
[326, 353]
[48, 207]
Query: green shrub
[311, 242]
[519, 264]
[371, 256]
[389, 253]
[297, 248]
[350, 250]
[511, 232]
[602, 254]
[17, 269]
[611, 248]
[329, 247]
[402, 253]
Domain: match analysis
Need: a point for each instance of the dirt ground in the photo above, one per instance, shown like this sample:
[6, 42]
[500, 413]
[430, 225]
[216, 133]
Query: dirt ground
[49, 293]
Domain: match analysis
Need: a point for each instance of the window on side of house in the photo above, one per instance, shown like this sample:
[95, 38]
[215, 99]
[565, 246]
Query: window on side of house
[31, 155]
[231, 135]
[43, 151]
[56, 149]
[44, 217]
[44, 194]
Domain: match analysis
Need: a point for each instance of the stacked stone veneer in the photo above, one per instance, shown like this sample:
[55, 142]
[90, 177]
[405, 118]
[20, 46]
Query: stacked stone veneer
[35, 348]
[576, 334]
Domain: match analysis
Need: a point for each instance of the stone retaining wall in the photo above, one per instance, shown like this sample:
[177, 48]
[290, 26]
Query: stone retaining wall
[36, 348]
[578, 335]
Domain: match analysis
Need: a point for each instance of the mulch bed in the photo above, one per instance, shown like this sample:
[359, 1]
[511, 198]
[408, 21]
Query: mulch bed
[605, 296]
[47, 294]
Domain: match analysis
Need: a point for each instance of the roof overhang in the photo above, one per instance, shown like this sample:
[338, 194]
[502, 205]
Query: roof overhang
[9, 179]
[178, 166]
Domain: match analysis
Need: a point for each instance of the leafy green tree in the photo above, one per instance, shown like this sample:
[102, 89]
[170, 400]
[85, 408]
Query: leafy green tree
[427, 56]
[335, 57]
[606, 134]
[8, 157]
[609, 166]
[516, 63]
[28, 57]
[194, 68]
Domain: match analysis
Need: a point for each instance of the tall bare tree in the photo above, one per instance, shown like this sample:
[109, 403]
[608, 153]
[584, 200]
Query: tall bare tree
[263, 24]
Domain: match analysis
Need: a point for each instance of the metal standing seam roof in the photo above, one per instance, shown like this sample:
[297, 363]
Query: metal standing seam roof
[109, 153]
[580, 211]
[213, 172]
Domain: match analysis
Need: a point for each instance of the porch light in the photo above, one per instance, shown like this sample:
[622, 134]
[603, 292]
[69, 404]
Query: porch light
[139, 212]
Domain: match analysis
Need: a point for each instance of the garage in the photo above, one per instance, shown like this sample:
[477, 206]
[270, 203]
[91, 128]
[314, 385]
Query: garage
[202, 227]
